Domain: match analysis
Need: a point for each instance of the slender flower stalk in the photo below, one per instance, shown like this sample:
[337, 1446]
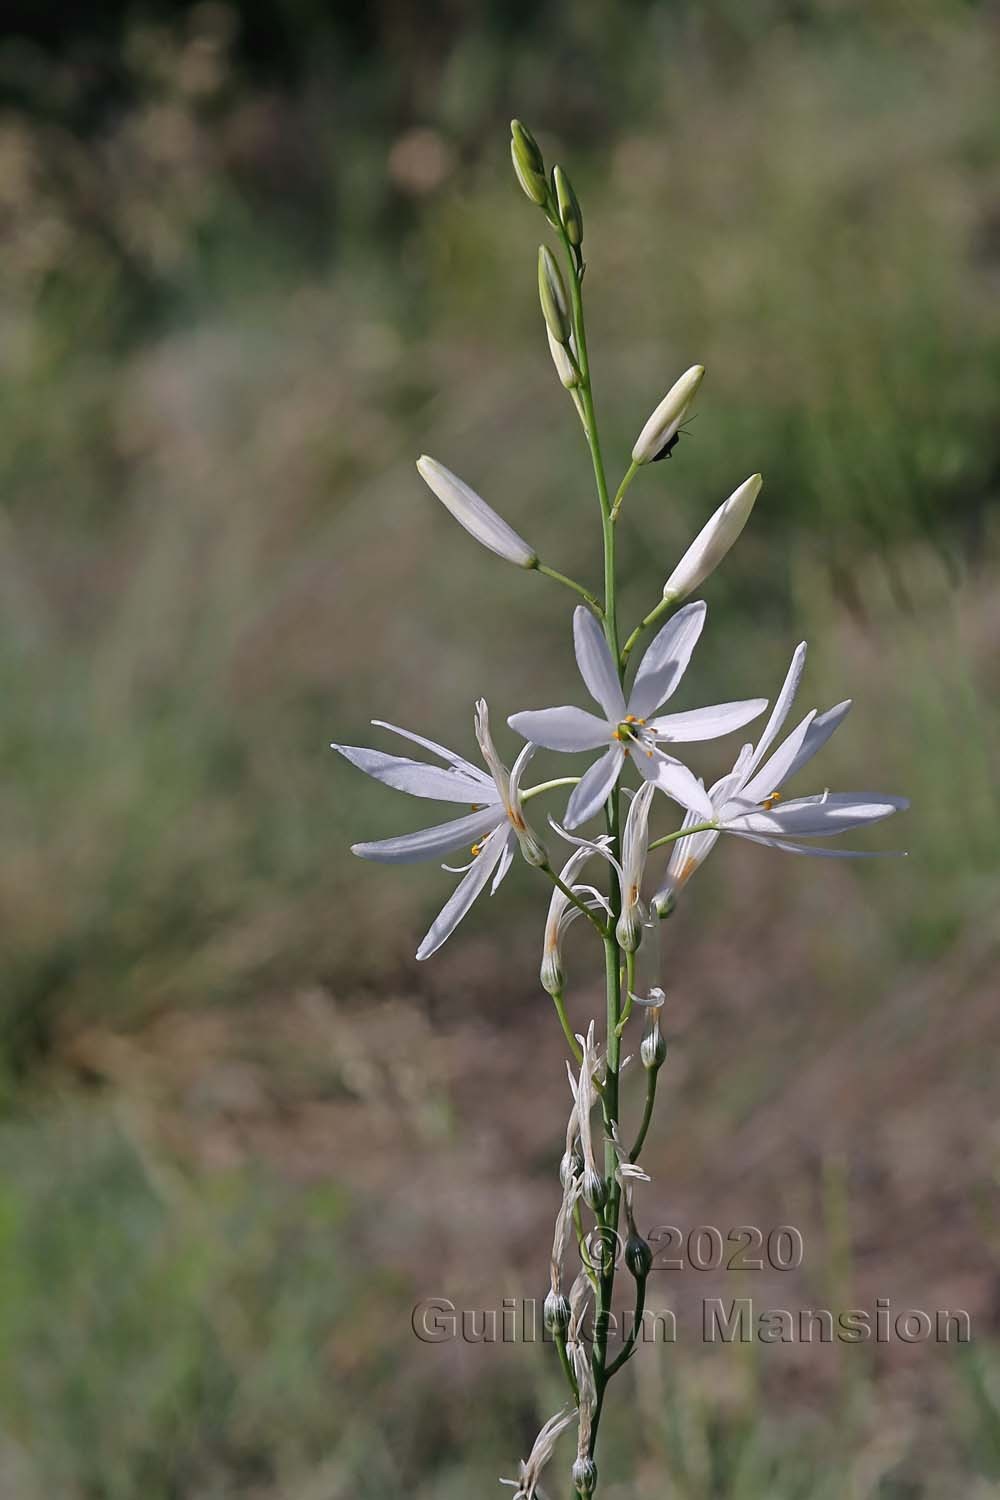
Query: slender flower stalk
[597, 1175]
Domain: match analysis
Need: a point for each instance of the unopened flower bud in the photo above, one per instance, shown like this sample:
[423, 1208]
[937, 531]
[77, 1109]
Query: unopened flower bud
[595, 1190]
[471, 511]
[638, 1256]
[570, 215]
[661, 429]
[584, 1476]
[555, 1313]
[552, 295]
[565, 368]
[713, 541]
[529, 164]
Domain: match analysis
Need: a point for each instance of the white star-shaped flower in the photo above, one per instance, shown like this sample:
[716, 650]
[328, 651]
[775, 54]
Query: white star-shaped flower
[747, 800]
[494, 828]
[629, 728]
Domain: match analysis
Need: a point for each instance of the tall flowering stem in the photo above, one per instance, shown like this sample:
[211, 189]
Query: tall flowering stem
[598, 1173]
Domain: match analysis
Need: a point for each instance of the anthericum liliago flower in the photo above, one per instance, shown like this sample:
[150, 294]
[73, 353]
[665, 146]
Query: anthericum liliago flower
[748, 802]
[493, 829]
[628, 729]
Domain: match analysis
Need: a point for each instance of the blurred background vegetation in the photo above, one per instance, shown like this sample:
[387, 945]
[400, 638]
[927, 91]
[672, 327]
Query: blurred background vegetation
[256, 259]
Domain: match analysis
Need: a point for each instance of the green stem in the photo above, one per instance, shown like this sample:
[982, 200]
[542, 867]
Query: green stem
[567, 1367]
[629, 987]
[574, 898]
[630, 474]
[682, 833]
[647, 1114]
[571, 583]
[548, 786]
[571, 1041]
[594, 444]
[626, 1353]
[653, 618]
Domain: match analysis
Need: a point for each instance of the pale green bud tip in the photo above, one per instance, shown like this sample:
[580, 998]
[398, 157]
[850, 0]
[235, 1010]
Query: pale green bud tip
[570, 215]
[668, 416]
[529, 164]
[552, 295]
[527, 146]
[471, 511]
[713, 541]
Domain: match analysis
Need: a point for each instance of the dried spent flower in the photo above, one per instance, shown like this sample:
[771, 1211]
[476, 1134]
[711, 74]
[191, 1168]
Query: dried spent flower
[526, 1485]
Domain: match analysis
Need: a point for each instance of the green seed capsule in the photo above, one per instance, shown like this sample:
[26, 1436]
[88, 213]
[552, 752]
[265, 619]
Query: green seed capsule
[552, 295]
[585, 1476]
[570, 214]
[595, 1191]
[638, 1256]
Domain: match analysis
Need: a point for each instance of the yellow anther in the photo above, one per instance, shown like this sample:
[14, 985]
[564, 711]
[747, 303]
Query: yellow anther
[477, 849]
[769, 802]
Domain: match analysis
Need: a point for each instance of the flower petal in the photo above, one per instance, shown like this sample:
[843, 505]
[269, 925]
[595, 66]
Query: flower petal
[594, 787]
[597, 668]
[707, 723]
[468, 888]
[818, 851]
[665, 660]
[775, 769]
[677, 781]
[782, 704]
[430, 843]
[414, 776]
[506, 860]
[819, 731]
[436, 749]
[563, 728]
[818, 817]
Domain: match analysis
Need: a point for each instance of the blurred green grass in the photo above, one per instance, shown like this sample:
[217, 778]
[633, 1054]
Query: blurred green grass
[215, 557]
